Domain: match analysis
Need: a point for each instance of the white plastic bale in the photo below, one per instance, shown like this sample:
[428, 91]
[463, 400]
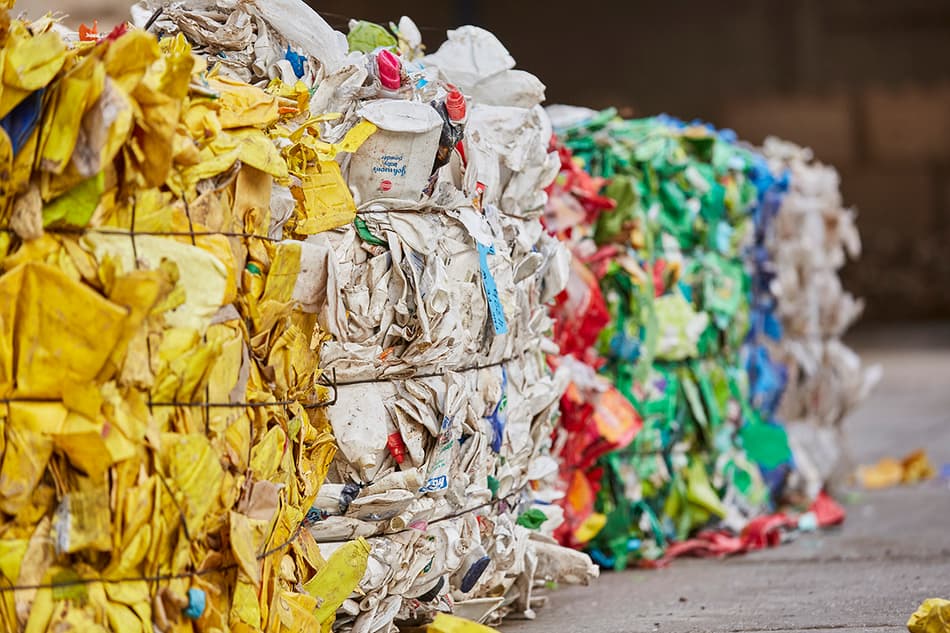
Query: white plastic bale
[813, 237]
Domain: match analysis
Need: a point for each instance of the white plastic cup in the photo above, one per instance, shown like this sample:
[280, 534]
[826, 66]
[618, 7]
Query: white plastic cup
[396, 161]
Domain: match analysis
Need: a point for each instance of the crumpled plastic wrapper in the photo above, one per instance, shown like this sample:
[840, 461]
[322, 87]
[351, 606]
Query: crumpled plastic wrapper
[164, 432]
[933, 616]
[813, 236]
[889, 472]
[254, 40]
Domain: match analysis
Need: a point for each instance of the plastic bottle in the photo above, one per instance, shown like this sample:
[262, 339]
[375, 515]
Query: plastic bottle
[453, 112]
[397, 448]
[456, 107]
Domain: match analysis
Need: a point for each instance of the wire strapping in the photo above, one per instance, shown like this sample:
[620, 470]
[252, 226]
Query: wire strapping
[77, 582]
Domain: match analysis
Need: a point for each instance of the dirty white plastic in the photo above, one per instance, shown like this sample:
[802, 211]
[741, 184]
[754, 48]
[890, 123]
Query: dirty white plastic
[397, 160]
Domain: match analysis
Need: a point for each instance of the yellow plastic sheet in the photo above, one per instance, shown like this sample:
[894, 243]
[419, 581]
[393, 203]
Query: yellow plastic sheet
[322, 196]
[933, 616]
[336, 580]
[29, 63]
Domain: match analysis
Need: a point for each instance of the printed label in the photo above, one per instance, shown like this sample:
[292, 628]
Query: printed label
[434, 484]
[393, 164]
[491, 290]
[438, 476]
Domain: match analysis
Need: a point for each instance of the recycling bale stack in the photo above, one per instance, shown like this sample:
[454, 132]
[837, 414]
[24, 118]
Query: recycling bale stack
[813, 237]
[306, 379]
[164, 427]
[433, 296]
[678, 290]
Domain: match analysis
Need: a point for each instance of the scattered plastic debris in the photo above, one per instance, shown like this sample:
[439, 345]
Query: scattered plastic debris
[933, 616]
[890, 472]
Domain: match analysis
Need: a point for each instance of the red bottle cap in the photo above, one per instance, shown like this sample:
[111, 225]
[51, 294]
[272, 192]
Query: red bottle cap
[455, 105]
[389, 70]
[397, 448]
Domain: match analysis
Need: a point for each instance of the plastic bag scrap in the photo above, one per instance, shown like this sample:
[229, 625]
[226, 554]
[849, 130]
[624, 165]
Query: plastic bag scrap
[933, 616]
[812, 237]
[163, 439]
[761, 532]
[890, 472]
[691, 206]
[254, 41]
[444, 623]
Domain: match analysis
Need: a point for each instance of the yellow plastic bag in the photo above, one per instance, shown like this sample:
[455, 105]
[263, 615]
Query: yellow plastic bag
[933, 616]
[57, 349]
[337, 579]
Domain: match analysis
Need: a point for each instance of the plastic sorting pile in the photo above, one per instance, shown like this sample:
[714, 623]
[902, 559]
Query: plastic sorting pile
[166, 441]
[434, 304]
[813, 237]
[684, 265]
[307, 380]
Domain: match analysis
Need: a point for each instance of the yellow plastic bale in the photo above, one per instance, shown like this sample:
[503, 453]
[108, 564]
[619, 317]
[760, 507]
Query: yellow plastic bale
[128, 450]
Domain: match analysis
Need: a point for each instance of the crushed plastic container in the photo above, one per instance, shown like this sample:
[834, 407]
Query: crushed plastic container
[397, 161]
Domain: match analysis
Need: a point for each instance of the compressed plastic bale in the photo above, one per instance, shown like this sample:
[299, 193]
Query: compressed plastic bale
[674, 272]
[176, 431]
[812, 238]
[470, 436]
[689, 216]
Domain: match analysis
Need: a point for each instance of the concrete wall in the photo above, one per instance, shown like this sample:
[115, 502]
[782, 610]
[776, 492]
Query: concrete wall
[866, 83]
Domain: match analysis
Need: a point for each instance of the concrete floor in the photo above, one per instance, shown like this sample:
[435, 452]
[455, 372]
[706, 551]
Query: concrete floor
[870, 575]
